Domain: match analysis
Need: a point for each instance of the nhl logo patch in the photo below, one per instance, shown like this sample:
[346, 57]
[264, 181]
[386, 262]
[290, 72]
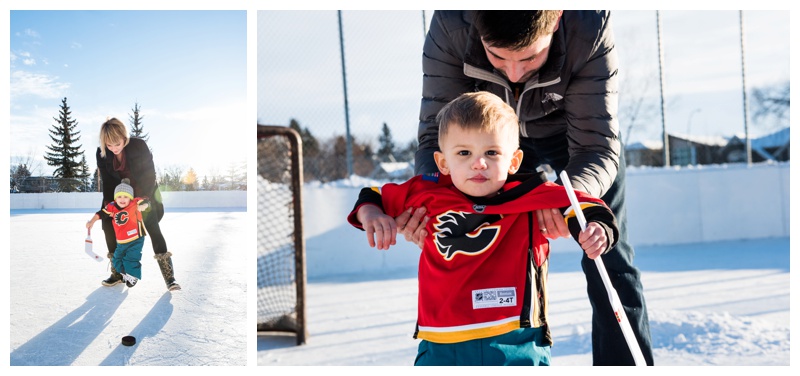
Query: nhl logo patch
[432, 176]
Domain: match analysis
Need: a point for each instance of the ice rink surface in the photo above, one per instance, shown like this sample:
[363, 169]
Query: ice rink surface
[61, 315]
[723, 303]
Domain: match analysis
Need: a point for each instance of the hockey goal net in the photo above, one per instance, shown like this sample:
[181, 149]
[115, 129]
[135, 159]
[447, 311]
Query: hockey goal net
[281, 248]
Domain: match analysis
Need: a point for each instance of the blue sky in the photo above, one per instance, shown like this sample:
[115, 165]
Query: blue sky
[186, 70]
[300, 75]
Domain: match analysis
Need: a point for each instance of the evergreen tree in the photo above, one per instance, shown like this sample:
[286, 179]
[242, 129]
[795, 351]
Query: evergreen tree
[137, 129]
[310, 143]
[19, 175]
[96, 183]
[85, 174]
[311, 151]
[387, 149]
[406, 154]
[64, 152]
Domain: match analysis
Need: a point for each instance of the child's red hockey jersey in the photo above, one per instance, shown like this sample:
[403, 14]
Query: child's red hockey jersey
[128, 224]
[483, 267]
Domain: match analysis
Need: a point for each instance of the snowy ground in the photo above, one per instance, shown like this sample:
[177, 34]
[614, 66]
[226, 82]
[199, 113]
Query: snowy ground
[724, 303]
[60, 314]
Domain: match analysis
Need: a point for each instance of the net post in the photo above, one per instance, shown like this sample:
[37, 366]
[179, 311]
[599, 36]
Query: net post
[296, 162]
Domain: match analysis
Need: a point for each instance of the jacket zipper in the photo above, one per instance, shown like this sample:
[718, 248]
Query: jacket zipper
[481, 74]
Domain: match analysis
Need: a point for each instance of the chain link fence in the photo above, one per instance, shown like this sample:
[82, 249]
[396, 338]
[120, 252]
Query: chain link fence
[301, 83]
[327, 73]
[46, 184]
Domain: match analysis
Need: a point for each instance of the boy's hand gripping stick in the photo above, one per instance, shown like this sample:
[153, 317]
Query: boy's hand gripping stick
[616, 305]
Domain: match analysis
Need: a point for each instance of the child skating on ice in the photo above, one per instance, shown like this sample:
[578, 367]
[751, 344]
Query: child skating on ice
[126, 214]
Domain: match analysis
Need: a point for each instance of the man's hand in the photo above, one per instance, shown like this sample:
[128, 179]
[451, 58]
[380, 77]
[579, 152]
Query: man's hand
[381, 228]
[413, 226]
[593, 240]
[552, 224]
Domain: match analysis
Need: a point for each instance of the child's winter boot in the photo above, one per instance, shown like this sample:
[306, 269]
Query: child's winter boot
[115, 277]
[130, 280]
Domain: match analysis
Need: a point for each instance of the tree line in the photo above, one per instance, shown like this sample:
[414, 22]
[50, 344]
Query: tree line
[325, 160]
[72, 172]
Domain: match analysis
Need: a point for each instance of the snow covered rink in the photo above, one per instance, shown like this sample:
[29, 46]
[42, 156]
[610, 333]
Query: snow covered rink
[61, 315]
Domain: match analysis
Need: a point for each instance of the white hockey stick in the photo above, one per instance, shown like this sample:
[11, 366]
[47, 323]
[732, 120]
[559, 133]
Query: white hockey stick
[88, 247]
[616, 305]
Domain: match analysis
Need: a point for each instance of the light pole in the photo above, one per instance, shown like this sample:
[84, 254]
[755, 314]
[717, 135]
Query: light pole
[661, 74]
[349, 140]
[747, 148]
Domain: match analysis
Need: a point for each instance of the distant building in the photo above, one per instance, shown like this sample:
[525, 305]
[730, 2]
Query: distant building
[392, 171]
[645, 153]
[698, 150]
[687, 150]
[774, 147]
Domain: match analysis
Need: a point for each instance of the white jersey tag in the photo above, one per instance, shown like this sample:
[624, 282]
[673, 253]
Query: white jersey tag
[496, 297]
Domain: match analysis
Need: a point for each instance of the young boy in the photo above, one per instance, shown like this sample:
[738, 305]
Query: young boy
[483, 268]
[129, 229]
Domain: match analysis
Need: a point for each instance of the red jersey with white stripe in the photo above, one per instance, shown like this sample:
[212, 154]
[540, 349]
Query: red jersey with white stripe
[128, 224]
[483, 266]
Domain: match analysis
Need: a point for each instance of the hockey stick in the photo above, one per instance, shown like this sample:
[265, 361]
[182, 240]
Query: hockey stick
[616, 305]
[88, 247]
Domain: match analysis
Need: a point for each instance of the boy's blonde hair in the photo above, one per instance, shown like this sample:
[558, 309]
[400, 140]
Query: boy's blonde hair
[481, 111]
[112, 131]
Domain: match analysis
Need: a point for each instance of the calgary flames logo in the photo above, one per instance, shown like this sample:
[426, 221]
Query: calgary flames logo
[469, 234]
[121, 218]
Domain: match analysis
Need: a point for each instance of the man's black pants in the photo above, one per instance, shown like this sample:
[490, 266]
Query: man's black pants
[608, 343]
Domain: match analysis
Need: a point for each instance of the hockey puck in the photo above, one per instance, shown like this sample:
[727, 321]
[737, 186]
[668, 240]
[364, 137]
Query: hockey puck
[129, 340]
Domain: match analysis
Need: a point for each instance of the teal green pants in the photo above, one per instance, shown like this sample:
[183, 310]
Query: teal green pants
[128, 256]
[521, 347]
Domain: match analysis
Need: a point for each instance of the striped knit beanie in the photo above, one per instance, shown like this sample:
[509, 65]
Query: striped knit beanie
[124, 189]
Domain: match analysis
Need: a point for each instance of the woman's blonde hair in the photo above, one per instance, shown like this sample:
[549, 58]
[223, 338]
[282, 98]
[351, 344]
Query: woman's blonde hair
[112, 131]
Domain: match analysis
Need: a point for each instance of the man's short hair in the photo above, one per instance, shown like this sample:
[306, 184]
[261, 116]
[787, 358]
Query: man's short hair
[481, 111]
[514, 29]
